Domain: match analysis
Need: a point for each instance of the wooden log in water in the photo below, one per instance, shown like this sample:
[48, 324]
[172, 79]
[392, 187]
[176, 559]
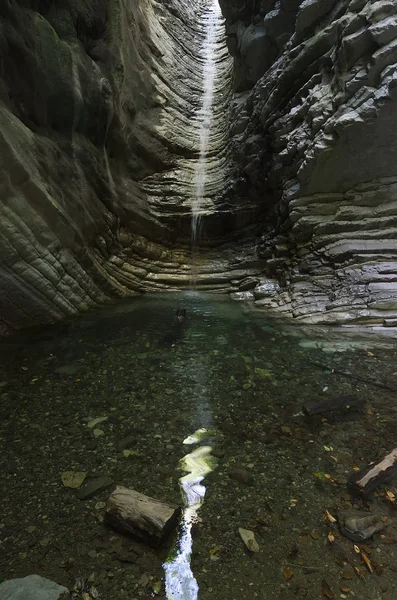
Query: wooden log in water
[363, 483]
[144, 518]
[342, 403]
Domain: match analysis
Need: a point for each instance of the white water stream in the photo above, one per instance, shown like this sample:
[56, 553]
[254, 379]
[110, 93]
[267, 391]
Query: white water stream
[214, 23]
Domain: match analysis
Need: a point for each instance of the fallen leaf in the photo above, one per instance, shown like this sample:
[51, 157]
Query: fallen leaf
[356, 549]
[356, 468]
[315, 534]
[326, 590]
[345, 589]
[288, 573]
[359, 573]
[370, 354]
[73, 479]
[329, 517]
[249, 540]
[91, 424]
[347, 574]
[331, 538]
[390, 496]
[367, 562]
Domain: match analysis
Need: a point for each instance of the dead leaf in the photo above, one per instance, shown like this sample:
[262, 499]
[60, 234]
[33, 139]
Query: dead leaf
[326, 590]
[288, 573]
[367, 562]
[370, 354]
[347, 574]
[390, 496]
[315, 534]
[331, 538]
[329, 517]
[356, 549]
[345, 589]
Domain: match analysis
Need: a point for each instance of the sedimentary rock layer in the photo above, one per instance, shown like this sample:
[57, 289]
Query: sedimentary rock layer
[315, 140]
[98, 143]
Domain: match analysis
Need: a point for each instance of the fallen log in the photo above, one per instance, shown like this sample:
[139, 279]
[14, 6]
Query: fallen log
[144, 518]
[369, 479]
[342, 403]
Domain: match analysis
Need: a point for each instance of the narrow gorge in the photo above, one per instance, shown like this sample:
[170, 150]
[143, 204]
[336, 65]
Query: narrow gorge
[198, 299]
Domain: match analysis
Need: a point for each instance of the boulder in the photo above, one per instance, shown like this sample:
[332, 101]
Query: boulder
[33, 587]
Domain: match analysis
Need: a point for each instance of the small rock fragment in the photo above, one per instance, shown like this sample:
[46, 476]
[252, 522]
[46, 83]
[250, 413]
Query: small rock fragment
[73, 479]
[94, 487]
[126, 442]
[249, 540]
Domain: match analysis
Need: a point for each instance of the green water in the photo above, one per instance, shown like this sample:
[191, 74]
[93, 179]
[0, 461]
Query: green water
[224, 368]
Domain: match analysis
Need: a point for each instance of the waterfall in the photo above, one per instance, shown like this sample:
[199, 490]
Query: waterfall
[213, 21]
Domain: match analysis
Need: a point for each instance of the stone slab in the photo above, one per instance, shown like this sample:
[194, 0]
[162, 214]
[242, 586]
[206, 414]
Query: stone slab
[33, 587]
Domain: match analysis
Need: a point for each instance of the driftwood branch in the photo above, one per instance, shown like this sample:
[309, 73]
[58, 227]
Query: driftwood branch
[378, 473]
[146, 519]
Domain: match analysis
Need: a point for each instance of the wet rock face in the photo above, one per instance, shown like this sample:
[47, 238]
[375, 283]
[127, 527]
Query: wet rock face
[98, 142]
[314, 140]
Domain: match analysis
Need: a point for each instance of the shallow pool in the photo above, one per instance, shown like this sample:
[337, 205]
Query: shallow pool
[225, 368]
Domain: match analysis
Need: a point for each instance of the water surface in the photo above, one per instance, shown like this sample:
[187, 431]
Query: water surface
[226, 369]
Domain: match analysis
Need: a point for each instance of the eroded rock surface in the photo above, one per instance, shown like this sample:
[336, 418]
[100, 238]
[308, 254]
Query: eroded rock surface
[98, 146]
[314, 141]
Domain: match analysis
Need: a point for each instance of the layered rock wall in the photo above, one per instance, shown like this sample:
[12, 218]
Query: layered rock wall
[98, 143]
[315, 140]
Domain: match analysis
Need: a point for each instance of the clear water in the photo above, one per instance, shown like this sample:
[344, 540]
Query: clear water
[226, 369]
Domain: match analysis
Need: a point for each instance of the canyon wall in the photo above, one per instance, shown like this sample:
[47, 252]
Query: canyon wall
[314, 139]
[99, 142]
[98, 146]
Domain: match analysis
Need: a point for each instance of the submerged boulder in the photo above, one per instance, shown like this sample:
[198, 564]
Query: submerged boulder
[33, 587]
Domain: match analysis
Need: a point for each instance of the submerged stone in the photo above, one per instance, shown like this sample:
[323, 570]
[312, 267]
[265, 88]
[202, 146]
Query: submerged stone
[33, 587]
[241, 476]
[94, 487]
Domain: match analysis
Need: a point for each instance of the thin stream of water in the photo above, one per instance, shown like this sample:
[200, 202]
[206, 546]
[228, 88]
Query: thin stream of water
[205, 115]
